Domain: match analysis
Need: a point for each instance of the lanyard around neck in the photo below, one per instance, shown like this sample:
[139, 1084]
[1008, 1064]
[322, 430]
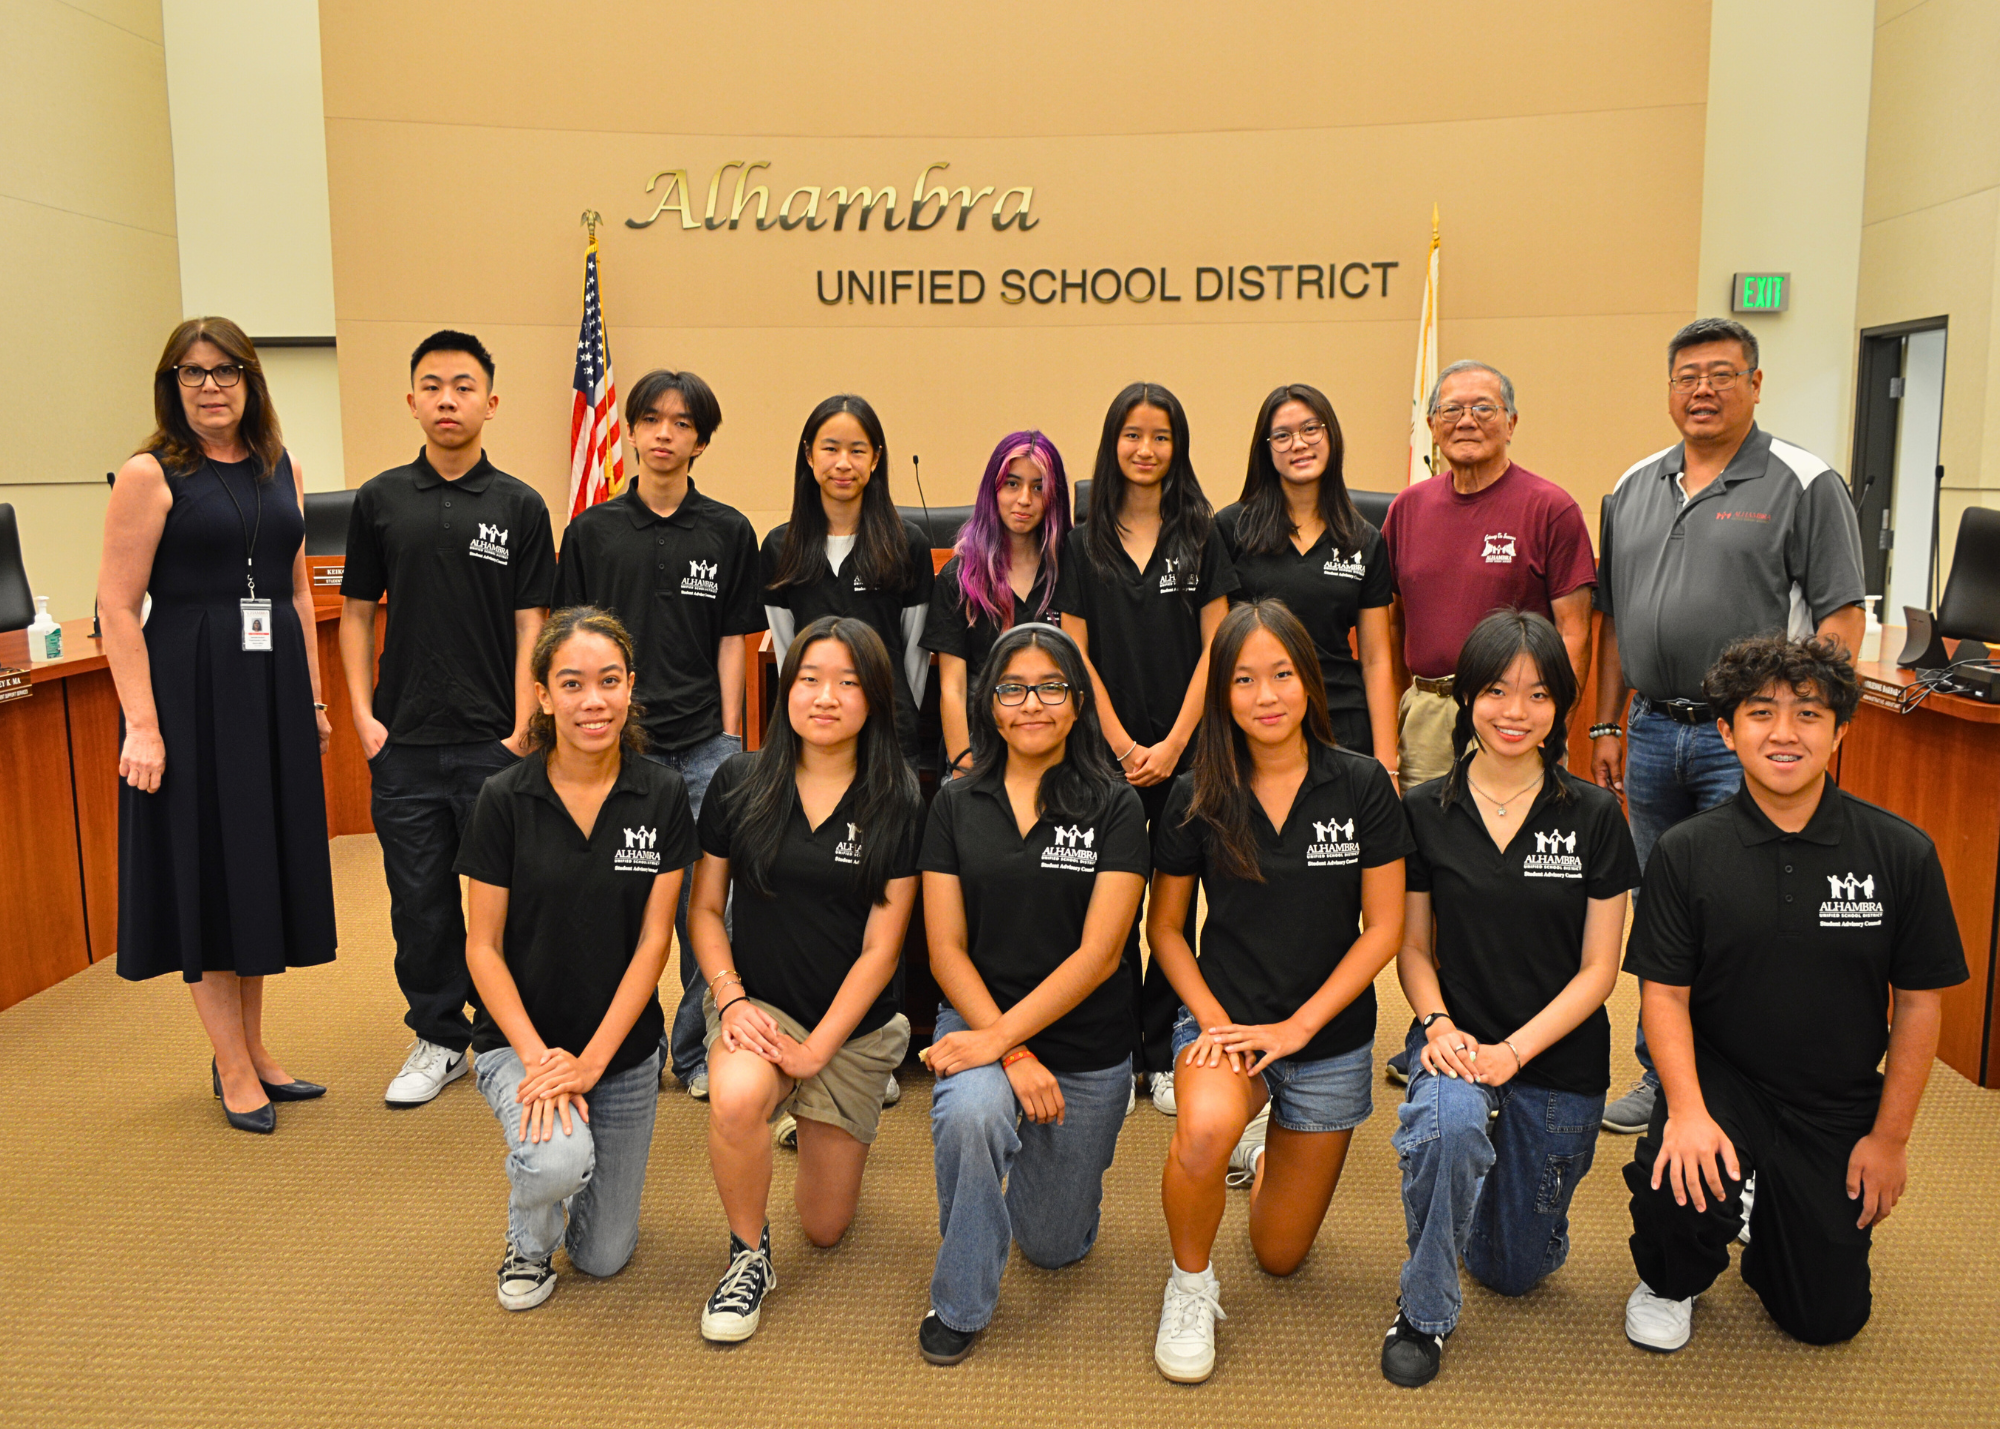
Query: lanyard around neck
[250, 535]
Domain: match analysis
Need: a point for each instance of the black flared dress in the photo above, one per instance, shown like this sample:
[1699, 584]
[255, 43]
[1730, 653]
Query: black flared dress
[225, 868]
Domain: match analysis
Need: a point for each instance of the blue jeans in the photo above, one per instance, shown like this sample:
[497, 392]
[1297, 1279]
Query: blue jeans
[1493, 1193]
[1001, 1179]
[682, 1046]
[595, 1173]
[1671, 771]
[1331, 1094]
[421, 798]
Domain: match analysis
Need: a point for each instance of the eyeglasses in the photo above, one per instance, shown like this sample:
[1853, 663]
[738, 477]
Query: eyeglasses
[1481, 412]
[1717, 381]
[1048, 692]
[226, 375]
[1308, 432]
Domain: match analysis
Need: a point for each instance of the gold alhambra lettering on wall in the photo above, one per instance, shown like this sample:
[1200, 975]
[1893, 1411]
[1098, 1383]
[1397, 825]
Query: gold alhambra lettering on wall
[803, 204]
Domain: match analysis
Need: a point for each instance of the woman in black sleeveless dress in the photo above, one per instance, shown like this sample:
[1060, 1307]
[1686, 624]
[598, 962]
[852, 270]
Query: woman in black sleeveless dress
[223, 875]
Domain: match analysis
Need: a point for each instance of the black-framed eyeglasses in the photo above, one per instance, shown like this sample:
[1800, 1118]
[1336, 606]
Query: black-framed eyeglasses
[1307, 432]
[1717, 381]
[1481, 412]
[227, 374]
[1048, 692]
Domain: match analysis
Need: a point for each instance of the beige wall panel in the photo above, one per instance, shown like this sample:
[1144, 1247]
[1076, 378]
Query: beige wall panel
[1934, 128]
[85, 110]
[62, 533]
[1040, 67]
[137, 17]
[305, 390]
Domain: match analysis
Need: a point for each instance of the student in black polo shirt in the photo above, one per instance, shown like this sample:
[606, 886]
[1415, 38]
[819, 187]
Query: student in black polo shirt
[464, 554]
[1772, 931]
[818, 833]
[574, 856]
[1144, 583]
[1523, 871]
[1297, 843]
[1295, 536]
[1033, 867]
[846, 551]
[679, 568]
[1002, 571]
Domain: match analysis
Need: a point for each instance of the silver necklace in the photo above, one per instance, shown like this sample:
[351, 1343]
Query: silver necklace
[1498, 807]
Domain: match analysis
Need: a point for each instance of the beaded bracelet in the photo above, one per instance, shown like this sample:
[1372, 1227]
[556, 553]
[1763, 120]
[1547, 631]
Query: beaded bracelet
[1606, 731]
[1017, 1055]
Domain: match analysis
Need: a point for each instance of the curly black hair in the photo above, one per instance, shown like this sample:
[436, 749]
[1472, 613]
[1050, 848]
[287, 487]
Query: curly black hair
[1813, 666]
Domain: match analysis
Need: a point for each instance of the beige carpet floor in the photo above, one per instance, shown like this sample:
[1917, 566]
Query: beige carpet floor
[161, 1269]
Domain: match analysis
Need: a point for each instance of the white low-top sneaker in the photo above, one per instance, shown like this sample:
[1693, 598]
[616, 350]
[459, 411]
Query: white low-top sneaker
[892, 1092]
[1184, 1349]
[1653, 1322]
[1163, 1093]
[698, 1083]
[1249, 1150]
[428, 1070]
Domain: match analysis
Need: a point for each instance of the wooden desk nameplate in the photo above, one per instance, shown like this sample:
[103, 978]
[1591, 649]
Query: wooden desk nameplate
[14, 684]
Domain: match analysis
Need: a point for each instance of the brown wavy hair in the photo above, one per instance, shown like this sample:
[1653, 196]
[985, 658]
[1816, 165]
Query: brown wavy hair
[561, 624]
[179, 448]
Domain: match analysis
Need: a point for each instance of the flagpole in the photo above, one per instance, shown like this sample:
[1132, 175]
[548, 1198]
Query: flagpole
[1423, 457]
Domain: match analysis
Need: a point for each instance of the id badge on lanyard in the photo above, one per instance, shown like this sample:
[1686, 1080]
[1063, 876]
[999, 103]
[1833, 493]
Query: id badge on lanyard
[256, 624]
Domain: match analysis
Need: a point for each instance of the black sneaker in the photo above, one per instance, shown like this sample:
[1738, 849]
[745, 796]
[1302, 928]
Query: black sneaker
[1410, 1357]
[732, 1311]
[1399, 1068]
[940, 1343]
[525, 1283]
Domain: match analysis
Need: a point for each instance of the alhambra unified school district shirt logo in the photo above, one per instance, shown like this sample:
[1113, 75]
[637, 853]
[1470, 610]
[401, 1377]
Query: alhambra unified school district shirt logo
[1850, 903]
[1499, 550]
[1333, 845]
[490, 544]
[848, 850]
[641, 853]
[1350, 566]
[701, 579]
[1173, 579]
[1072, 849]
[1555, 856]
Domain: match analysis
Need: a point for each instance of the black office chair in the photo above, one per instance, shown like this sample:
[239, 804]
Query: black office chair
[1080, 500]
[1373, 505]
[17, 600]
[1970, 606]
[327, 513]
[941, 523]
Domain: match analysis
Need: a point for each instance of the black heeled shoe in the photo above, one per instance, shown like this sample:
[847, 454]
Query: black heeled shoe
[276, 1091]
[263, 1120]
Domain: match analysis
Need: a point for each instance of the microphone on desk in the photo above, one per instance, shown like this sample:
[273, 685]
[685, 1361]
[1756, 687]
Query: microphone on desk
[930, 531]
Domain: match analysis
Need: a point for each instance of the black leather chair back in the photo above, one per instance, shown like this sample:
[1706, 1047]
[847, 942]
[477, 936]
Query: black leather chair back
[1080, 500]
[1970, 605]
[941, 524]
[17, 601]
[1373, 505]
[327, 513]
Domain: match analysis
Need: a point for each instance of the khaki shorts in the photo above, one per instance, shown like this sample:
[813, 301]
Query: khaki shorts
[1424, 723]
[848, 1090]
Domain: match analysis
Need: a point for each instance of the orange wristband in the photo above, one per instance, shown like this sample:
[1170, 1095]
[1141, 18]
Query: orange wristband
[1016, 1055]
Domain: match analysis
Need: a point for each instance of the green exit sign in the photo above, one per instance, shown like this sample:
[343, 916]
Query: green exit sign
[1761, 293]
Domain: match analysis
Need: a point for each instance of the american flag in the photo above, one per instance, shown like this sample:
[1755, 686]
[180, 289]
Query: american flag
[596, 457]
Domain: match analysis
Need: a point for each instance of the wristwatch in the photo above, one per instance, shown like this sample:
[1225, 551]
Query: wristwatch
[1425, 1023]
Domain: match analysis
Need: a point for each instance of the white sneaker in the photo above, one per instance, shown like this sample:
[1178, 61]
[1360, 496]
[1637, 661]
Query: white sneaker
[1655, 1323]
[1163, 1093]
[1249, 1150]
[1131, 1098]
[892, 1093]
[785, 1132]
[1184, 1349]
[428, 1070]
[732, 1312]
[525, 1283]
[1749, 1196]
[698, 1083]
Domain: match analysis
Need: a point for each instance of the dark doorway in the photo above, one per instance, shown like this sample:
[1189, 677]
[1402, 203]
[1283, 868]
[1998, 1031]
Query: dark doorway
[1878, 407]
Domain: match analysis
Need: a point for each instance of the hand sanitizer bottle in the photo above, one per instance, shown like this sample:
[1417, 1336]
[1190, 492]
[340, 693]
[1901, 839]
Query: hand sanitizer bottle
[44, 635]
[1871, 635]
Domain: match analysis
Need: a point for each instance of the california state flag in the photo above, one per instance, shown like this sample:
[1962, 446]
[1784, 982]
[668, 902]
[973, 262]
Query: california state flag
[1423, 455]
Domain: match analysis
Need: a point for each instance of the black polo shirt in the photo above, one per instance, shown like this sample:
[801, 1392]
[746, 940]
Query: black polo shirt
[844, 594]
[1327, 588]
[457, 559]
[796, 948]
[576, 905]
[1145, 626]
[1789, 943]
[682, 584]
[1267, 947]
[1510, 924]
[1025, 901]
[949, 633]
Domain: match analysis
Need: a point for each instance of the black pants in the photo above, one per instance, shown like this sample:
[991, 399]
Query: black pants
[1806, 1260]
[421, 799]
[1155, 1004]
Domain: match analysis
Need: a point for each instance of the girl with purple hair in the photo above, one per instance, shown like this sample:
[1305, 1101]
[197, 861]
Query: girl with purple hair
[1003, 572]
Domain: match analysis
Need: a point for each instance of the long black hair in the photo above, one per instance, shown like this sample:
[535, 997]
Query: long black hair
[888, 804]
[1222, 751]
[1265, 524]
[1080, 787]
[1185, 515]
[1499, 637]
[881, 558]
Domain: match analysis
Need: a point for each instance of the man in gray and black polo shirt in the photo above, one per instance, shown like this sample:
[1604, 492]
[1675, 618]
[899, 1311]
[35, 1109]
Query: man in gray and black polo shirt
[1727, 534]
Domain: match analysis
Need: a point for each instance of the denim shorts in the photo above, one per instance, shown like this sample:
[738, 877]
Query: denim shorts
[1332, 1094]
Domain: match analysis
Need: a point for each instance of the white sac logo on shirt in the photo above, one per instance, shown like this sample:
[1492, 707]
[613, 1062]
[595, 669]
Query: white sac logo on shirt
[1351, 567]
[848, 850]
[701, 579]
[1499, 550]
[1333, 845]
[1850, 902]
[490, 544]
[1555, 856]
[1174, 579]
[1072, 849]
[641, 853]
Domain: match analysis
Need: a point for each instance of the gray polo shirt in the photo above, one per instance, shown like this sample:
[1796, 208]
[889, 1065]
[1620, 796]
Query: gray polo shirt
[1770, 545]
